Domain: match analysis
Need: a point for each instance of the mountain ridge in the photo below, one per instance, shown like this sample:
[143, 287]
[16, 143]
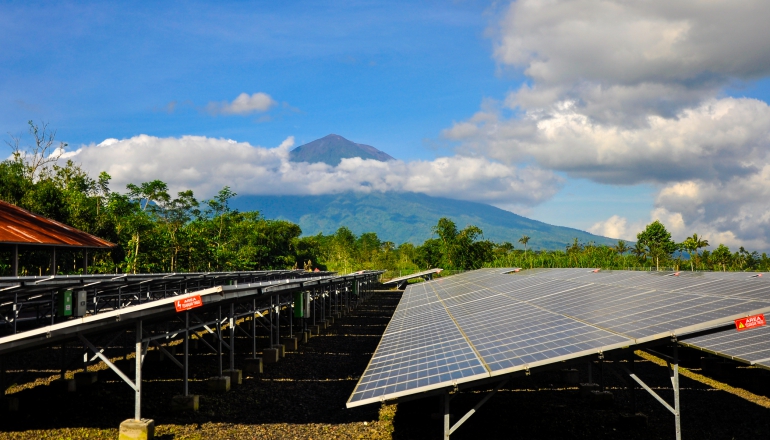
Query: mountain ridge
[332, 148]
[408, 217]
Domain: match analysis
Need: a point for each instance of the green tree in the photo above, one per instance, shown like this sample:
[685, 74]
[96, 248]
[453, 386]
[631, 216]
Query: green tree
[524, 240]
[657, 240]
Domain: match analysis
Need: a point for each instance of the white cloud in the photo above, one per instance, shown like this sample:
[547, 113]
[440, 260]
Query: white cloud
[244, 104]
[631, 92]
[207, 164]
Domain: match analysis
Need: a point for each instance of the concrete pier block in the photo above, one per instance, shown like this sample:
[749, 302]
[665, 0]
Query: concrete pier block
[185, 403]
[10, 404]
[632, 422]
[301, 337]
[218, 384]
[236, 377]
[281, 350]
[315, 330]
[64, 386]
[308, 334]
[270, 355]
[323, 325]
[330, 319]
[137, 429]
[252, 365]
[587, 388]
[289, 343]
[569, 376]
[86, 378]
[602, 399]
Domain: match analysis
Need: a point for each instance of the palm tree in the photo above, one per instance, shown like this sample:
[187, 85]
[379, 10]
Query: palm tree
[524, 240]
[622, 247]
[700, 243]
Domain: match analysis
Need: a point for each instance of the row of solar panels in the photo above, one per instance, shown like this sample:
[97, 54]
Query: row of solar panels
[30, 302]
[486, 323]
[164, 309]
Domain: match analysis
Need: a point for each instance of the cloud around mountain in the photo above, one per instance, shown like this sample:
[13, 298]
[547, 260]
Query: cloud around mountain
[207, 164]
[633, 92]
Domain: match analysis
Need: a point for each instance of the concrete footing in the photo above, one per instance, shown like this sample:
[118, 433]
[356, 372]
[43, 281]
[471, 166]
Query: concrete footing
[270, 355]
[602, 399]
[86, 378]
[587, 388]
[64, 386]
[185, 403]
[323, 325]
[137, 429]
[281, 350]
[301, 337]
[236, 377]
[289, 343]
[308, 335]
[315, 330]
[252, 365]
[629, 422]
[569, 376]
[218, 384]
[330, 320]
[10, 404]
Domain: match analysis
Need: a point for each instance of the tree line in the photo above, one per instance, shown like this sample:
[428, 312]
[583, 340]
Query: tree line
[157, 231]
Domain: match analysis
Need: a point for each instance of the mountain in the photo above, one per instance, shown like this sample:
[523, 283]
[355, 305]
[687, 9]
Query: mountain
[332, 149]
[408, 217]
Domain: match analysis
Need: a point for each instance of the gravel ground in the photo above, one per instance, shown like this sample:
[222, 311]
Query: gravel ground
[304, 395]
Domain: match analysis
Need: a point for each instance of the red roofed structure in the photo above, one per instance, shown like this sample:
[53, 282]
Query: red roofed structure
[19, 227]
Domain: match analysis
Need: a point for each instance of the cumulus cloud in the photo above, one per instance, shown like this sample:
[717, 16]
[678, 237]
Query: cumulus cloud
[632, 92]
[243, 104]
[208, 164]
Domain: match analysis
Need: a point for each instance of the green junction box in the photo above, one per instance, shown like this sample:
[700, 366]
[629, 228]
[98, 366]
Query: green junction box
[64, 303]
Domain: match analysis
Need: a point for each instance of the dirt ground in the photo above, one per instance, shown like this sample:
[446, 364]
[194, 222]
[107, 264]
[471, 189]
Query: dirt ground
[303, 397]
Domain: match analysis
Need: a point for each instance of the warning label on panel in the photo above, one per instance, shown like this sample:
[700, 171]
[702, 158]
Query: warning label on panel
[188, 303]
[750, 322]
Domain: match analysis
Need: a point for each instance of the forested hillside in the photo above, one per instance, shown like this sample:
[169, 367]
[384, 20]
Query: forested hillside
[156, 231]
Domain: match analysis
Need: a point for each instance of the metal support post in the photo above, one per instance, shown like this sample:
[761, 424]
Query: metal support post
[278, 319]
[219, 340]
[291, 317]
[272, 328]
[186, 351]
[138, 374]
[15, 310]
[590, 372]
[675, 384]
[446, 415]
[232, 337]
[254, 329]
[601, 372]
[53, 260]
[85, 262]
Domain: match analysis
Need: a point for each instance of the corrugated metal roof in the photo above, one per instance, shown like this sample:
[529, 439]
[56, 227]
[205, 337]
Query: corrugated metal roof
[19, 226]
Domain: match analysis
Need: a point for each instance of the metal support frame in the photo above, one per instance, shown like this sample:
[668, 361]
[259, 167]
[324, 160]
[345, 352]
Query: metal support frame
[673, 371]
[448, 430]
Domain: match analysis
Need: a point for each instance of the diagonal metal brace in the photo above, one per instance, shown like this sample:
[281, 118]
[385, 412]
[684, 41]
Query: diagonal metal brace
[166, 352]
[104, 358]
[475, 408]
[649, 390]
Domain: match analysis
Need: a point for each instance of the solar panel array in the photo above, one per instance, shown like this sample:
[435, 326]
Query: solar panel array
[486, 323]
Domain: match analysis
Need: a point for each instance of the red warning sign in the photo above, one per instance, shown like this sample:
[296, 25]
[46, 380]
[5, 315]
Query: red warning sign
[188, 303]
[750, 322]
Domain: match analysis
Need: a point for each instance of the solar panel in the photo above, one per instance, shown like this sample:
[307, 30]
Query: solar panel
[484, 323]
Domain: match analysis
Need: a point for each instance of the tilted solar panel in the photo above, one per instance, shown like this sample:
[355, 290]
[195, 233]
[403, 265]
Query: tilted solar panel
[485, 323]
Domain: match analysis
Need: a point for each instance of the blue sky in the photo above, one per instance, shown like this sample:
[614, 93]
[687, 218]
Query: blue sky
[598, 115]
